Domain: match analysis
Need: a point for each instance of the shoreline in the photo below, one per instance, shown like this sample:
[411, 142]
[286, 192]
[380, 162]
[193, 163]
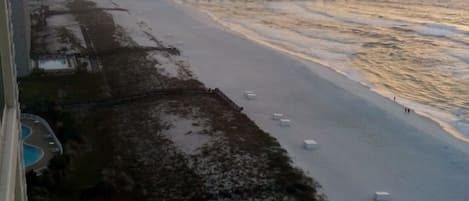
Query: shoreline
[450, 129]
[366, 143]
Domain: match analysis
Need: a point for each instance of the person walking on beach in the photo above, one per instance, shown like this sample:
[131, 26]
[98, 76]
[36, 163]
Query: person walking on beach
[407, 110]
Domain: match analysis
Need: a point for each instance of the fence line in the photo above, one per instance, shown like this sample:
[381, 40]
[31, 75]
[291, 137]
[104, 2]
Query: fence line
[226, 99]
[159, 92]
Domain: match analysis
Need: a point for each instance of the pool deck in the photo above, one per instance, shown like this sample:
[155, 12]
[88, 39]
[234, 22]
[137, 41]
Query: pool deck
[39, 138]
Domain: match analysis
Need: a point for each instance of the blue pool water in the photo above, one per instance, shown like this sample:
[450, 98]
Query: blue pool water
[25, 132]
[31, 154]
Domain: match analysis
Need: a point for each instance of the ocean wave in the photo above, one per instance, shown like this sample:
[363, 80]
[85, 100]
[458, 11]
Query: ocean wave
[444, 29]
[425, 64]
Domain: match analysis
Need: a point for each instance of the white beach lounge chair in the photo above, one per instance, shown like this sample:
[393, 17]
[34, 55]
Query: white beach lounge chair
[382, 196]
[250, 95]
[284, 122]
[310, 144]
[277, 116]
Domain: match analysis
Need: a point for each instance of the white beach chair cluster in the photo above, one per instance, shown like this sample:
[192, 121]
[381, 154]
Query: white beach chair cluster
[283, 121]
[308, 144]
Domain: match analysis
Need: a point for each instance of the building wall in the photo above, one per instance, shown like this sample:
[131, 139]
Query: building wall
[12, 182]
[21, 36]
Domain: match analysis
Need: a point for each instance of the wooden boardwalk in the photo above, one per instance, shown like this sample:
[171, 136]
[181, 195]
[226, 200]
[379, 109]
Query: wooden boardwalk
[111, 101]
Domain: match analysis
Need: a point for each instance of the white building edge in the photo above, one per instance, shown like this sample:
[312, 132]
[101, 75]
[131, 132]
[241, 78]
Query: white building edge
[12, 177]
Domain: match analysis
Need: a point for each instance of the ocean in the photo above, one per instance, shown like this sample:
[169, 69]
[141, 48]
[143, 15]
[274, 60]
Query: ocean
[414, 50]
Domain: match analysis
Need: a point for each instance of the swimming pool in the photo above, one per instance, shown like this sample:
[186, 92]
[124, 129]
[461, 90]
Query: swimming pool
[31, 154]
[25, 132]
[60, 63]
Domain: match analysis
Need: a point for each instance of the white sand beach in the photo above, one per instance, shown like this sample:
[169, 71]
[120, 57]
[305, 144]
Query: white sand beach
[366, 143]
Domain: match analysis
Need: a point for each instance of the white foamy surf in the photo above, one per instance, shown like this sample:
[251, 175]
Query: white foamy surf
[421, 59]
